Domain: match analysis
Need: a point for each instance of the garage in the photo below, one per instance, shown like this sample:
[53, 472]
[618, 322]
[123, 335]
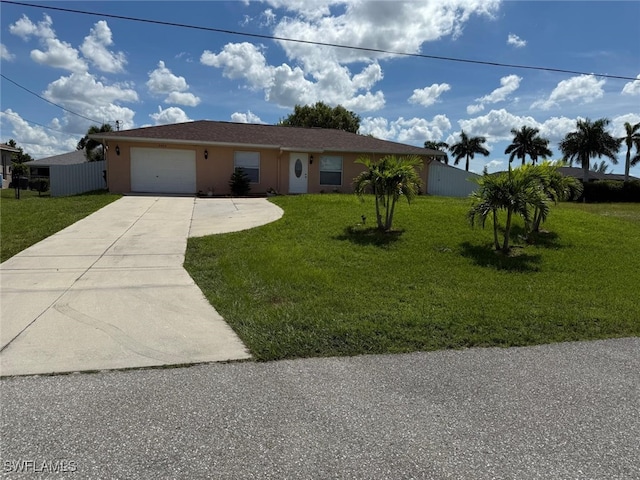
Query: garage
[163, 170]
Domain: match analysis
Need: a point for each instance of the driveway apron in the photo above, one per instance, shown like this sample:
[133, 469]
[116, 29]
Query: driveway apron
[110, 292]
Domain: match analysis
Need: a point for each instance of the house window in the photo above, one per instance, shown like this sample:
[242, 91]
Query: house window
[249, 162]
[330, 170]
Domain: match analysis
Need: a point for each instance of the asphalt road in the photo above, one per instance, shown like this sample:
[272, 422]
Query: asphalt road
[564, 411]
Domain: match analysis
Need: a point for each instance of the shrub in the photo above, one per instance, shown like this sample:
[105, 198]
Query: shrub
[239, 183]
[611, 191]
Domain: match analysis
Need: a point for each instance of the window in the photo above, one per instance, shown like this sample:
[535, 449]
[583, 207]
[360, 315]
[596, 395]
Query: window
[330, 170]
[249, 162]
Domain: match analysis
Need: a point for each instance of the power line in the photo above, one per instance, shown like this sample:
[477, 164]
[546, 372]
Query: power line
[48, 101]
[311, 42]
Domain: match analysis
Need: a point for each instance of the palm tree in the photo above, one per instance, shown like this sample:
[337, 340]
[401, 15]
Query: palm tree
[388, 179]
[89, 145]
[515, 192]
[601, 167]
[440, 147]
[467, 147]
[526, 141]
[555, 186]
[591, 140]
[631, 139]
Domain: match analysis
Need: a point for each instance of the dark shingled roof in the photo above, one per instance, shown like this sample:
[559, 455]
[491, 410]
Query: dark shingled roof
[71, 158]
[577, 173]
[205, 132]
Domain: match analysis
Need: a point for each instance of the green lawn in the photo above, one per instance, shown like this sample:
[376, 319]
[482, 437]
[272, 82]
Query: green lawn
[32, 218]
[315, 283]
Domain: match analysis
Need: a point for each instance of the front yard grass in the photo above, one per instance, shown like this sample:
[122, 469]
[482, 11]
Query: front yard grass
[320, 283]
[32, 218]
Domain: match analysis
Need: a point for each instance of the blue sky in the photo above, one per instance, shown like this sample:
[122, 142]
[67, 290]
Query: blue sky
[143, 74]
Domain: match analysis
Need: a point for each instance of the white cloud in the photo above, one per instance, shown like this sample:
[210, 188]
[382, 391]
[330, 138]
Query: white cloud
[287, 86]
[583, 88]
[183, 98]
[632, 88]
[509, 84]
[169, 115]
[494, 165]
[617, 124]
[516, 41]
[429, 95]
[163, 82]
[5, 54]
[94, 48]
[57, 53]
[407, 25]
[248, 117]
[413, 130]
[495, 125]
[36, 140]
[83, 94]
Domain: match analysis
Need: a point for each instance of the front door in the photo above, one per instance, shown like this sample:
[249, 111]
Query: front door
[298, 172]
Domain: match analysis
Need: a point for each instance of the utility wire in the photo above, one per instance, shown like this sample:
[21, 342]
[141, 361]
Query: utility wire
[311, 42]
[48, 101]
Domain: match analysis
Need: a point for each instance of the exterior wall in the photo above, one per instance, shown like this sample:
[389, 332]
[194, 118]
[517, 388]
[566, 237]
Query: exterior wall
[449, 181]
[75, 179]
[215, 171]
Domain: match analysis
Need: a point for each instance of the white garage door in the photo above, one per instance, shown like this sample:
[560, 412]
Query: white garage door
[161, 170]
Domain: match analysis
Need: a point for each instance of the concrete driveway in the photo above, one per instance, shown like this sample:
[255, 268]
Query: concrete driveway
[110, 291]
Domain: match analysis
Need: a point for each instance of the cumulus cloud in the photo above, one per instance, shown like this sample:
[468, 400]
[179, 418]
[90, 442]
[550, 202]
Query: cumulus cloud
[413, 130]
[248, 117]
[84, 94]
[429, 95]
[94, 48]
[36, 140]
[315, 73]
[508, 85]
[5, 54]
[516, 41]
[287, 86]
[583, 88]
[632, 88]
[169, 115]
[56, 53]
[163, 82]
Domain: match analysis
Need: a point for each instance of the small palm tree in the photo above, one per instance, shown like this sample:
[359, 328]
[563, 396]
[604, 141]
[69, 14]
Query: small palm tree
[601, 167]
[440, 147]
[591, 140]
[467, 147]
[631, 140]
[388, 179]
[526, 141]
[515, 192]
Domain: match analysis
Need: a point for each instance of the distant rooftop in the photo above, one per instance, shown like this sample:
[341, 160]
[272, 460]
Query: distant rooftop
[70, 158]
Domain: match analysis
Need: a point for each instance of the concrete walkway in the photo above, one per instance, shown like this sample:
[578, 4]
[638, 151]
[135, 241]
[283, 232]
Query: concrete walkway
[110, 291]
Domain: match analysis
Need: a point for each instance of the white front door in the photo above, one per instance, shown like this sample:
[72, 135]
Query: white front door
[298, 172]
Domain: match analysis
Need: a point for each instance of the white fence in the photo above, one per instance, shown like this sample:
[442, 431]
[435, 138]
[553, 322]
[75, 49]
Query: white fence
[447, 181]
[75, 179]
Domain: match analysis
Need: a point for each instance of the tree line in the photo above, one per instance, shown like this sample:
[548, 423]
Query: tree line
[590, 140]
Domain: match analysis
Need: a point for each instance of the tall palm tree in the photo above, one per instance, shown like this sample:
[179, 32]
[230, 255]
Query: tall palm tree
[591, 140]
[440, 147]
[89, 145]
[631, 139]
[467, 147]
[388, 179]
[526, 141]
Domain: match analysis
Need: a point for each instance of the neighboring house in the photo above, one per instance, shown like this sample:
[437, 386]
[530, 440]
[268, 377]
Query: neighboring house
[448, 181]
[593, 176]
[68, 173]
[7, 152]
[198, 156]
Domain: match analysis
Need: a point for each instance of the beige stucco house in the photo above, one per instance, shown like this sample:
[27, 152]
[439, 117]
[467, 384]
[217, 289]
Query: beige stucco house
[198, 156]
